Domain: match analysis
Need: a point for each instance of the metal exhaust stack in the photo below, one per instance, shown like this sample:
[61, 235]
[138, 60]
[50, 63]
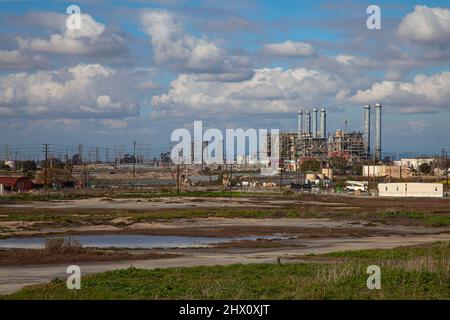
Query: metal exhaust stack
[367, 130]
[308, 122]
[378, 131]
[300, 123]
[314, 129]
[323, 123]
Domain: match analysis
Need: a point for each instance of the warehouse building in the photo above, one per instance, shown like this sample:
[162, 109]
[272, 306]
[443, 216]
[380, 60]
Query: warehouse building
[420, 190]
[386, 171]
[17, 184]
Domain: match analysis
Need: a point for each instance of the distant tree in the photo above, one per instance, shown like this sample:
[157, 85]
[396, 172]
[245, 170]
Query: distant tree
[310, 165]
[53, 163]
[54, 175]
[425, 168]
[28, 166]
[127, 158]
[165, 157]
[357, 169]
[77, 159]
[447, 163]
[339, 164]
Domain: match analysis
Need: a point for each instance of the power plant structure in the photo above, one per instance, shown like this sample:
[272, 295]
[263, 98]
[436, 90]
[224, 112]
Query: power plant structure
[313, 141]
[378, 131]
[367, 130]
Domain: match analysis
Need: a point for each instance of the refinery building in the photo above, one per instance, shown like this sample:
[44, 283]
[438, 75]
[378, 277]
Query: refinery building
[312, 140]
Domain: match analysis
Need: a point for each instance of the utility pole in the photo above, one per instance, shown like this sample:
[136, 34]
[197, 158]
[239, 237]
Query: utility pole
[202, 156]
[446, 167]
[231, 180]
[281, 174]
[46, 167]
[178, 178]
[85, 174]
[134, 164]
[373, 175]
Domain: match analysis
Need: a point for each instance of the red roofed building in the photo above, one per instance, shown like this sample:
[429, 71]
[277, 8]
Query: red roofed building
[18, 184]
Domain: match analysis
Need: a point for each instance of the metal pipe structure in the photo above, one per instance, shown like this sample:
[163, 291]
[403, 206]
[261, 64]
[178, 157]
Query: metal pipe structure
[323, 123]
[378, 131]
[367, 130]
[300, 123]
[314, 128]
[308, 122]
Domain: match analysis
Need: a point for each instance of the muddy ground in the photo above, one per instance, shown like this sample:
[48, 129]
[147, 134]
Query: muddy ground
[307, 224]
[21, 257]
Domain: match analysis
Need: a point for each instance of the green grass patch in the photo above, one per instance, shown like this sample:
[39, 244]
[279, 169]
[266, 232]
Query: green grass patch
[229, 213]
[434, 219]
[406, 273]
[26, 197]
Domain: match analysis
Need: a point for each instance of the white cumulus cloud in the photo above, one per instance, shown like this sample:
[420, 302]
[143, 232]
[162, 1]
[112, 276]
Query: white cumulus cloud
[426, 25]
[269, 90]
[423, 94]
[172, 45]
[90, 40]
[289, 49]
[85, 90]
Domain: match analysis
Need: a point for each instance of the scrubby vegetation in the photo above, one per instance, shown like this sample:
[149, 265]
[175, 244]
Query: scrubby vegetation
[406, 273]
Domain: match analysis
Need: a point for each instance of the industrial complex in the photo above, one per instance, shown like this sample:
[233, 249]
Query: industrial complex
[311, 160]
[312, 140]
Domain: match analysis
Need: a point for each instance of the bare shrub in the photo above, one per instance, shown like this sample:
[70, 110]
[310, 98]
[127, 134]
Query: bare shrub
[61, 245]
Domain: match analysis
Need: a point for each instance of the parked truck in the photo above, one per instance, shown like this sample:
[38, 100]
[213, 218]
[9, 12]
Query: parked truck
[356, 186]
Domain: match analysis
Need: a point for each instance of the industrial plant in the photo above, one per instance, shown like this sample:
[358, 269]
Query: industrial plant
[312, 140]
[310, 159]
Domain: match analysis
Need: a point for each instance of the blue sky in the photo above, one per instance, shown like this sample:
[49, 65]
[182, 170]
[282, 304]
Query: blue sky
[139, 69]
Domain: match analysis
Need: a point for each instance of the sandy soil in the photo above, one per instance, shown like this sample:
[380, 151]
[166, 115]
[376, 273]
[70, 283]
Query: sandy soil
[147, 204]
[238, 227]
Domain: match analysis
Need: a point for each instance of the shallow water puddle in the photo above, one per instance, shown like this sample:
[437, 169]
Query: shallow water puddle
[127, 241]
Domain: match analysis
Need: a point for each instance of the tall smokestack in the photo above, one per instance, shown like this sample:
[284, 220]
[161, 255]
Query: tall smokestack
[378, 131]
[314, 130]
[308, 122]
[300, 123]
[367, 130]
[323, 123]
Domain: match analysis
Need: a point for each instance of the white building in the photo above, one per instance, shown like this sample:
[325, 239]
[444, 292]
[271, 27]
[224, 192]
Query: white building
[429, 190]
[10, 163]
[413, 163]
[386, 171]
